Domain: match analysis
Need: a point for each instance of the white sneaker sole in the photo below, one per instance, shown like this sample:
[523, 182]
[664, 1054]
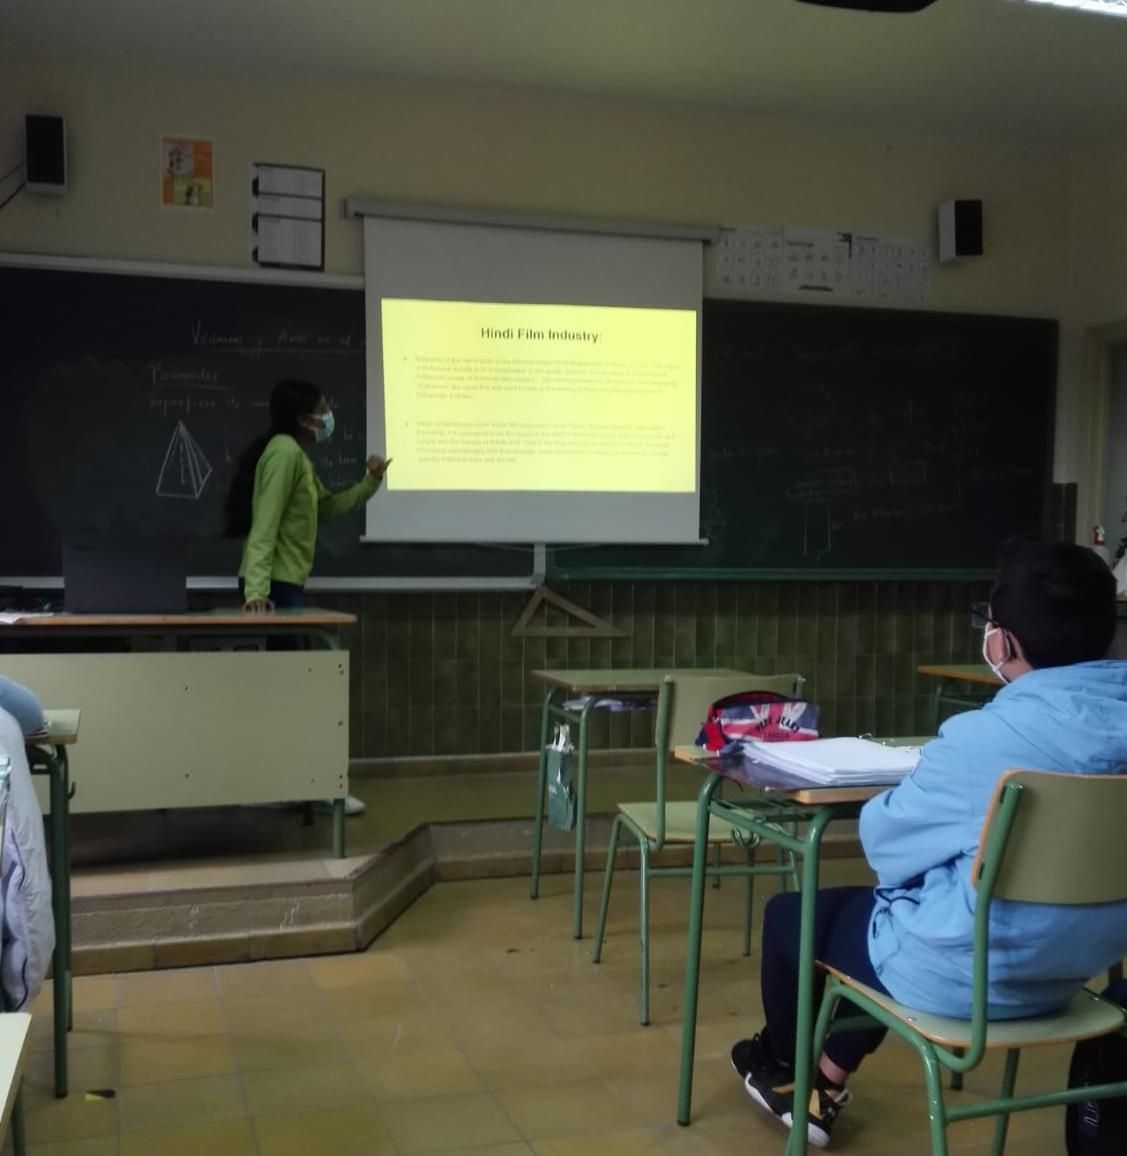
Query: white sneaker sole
[814, 1134]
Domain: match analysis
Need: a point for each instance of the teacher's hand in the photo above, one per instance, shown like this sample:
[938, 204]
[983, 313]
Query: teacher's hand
[377, 467]
[258, 606]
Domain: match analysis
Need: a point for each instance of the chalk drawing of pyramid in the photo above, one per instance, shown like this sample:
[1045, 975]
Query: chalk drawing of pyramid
[185, 470]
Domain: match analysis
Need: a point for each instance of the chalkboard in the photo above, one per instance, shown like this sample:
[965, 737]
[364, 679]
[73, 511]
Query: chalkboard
[847, 440]
[127, 400]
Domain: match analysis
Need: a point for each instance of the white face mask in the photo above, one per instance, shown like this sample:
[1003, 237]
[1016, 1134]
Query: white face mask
[324, 431]
[996, 667]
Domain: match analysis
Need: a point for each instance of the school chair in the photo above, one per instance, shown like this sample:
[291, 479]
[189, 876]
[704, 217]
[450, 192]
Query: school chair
[1080, 815]
[682, 706]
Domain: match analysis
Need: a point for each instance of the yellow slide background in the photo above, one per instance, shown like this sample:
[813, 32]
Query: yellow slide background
[482, 396]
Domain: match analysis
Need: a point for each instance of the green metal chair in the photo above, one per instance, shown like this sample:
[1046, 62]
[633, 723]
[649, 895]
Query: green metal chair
[1081, 817]
[682, 706]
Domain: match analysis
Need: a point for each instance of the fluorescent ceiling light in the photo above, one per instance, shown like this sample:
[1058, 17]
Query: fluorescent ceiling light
[1106, 7]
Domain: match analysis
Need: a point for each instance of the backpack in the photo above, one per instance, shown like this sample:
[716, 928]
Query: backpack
[1099, 1127]
[758, 714]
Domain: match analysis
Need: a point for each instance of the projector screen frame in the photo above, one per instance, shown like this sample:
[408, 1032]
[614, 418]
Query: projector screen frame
[502, 218]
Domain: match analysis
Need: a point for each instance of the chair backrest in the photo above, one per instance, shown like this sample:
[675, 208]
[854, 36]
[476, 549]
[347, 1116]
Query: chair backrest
[688, 698]
[1055, 838]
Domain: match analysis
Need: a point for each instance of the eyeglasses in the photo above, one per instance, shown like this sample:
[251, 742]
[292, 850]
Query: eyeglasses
[980, 616]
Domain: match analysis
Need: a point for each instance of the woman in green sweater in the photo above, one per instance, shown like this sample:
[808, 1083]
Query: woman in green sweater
[276, 499]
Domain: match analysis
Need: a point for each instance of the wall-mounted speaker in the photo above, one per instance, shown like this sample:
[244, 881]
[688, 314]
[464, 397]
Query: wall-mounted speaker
[46, 144]
[960, 230]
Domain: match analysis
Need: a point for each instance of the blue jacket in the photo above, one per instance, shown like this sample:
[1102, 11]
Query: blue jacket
[921, 837]
[22, 705]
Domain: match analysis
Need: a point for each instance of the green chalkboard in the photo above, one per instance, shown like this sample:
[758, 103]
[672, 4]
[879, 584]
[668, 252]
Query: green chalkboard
[128, 398]
[843, 440]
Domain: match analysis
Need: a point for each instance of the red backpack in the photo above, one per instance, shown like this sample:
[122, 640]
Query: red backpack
[758, 714]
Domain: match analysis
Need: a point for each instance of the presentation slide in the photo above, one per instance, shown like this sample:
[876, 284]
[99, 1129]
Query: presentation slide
[488, 396]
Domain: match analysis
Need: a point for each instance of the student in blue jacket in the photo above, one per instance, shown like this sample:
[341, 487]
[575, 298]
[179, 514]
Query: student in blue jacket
[1047, 628]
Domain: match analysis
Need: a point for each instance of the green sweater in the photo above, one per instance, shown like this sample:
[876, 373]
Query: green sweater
[288, 500]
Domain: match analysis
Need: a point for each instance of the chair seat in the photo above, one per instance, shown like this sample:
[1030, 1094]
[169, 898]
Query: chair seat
[680, 822]
[1084, 1017]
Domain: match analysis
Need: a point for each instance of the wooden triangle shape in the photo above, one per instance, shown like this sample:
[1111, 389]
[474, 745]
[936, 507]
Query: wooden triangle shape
[593, 626]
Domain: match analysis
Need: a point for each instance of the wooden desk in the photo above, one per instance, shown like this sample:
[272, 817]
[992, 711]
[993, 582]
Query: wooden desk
[769, 807]
[14, 1028]
[950, 675]
[559, 684]
[177, 715]
[322, 625]
[47, 755]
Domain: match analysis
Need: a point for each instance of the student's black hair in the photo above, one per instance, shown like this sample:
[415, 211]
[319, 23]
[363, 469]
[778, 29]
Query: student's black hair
[289, 401]
[1057, 598]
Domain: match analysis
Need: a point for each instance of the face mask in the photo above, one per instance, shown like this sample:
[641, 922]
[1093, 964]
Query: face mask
[325, 430]
[996, 667]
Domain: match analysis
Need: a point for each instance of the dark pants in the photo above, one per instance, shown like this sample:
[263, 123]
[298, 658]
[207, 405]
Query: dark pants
[285, 596]
[842, 916]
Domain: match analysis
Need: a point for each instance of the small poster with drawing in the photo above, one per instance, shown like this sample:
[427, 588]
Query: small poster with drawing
[187, 172]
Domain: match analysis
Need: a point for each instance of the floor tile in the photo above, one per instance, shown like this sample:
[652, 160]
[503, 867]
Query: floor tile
[154, 1061]
[258, 980]
[224, 1138]
[181, 1104]
[104, 1146]
[190, 985]
[418, 1073]
[75, 1118]
[170, 1021]
[358, 970]
[525, 1062]
[637, 1142]
[567, 1109]
[271, 1093]
[357, 1130]
[445, 1123]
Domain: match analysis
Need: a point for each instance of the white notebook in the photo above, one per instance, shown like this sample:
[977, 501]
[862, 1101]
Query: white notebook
[838, 761]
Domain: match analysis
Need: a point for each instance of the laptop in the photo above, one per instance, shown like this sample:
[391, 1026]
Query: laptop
[144, 575]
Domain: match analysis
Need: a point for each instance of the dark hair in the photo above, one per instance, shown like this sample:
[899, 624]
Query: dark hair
[1058, 599]
[289, 401]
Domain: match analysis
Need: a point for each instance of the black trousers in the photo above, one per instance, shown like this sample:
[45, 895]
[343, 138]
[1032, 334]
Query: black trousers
[842, 916]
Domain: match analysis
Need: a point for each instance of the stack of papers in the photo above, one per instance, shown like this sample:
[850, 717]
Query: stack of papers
[837, 762]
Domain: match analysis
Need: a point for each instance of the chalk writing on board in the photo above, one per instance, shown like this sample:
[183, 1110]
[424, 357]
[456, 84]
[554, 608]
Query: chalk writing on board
[185, 470]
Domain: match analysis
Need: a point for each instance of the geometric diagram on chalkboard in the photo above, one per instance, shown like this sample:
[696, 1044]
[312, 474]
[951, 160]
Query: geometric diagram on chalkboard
[185, 470]
[539, 606]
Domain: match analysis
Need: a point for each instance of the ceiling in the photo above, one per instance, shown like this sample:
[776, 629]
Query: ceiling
[995, 69]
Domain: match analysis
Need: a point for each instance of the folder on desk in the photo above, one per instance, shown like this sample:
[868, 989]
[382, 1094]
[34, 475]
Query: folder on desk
[838, 762]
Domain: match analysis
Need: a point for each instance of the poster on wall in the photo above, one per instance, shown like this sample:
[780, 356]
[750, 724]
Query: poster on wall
[187, 172]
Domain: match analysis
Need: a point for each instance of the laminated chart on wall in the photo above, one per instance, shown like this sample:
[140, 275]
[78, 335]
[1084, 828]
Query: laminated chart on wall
[287, 216]
[777, 261]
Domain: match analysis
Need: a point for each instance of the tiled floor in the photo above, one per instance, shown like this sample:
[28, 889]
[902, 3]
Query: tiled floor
[474, 1025]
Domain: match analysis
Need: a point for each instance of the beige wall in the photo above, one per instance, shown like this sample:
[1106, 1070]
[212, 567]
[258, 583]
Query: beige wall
[411, 141]
[1094, 313]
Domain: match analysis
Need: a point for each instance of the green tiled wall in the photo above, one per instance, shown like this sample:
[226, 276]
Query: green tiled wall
[436, 674]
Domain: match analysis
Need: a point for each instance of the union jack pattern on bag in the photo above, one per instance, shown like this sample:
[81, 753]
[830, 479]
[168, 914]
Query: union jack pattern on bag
[758, 714]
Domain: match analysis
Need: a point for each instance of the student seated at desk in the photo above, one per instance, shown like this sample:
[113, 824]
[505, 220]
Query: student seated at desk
[23, 706]
[26, 922]
[1048, 627]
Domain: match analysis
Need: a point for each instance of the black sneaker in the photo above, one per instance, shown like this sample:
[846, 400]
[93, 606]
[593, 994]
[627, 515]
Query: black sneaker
[755, 1057]
[778, 1099]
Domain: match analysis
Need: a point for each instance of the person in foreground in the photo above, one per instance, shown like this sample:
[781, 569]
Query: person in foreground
[26, 921]
[1063, 707]
[276, 500]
